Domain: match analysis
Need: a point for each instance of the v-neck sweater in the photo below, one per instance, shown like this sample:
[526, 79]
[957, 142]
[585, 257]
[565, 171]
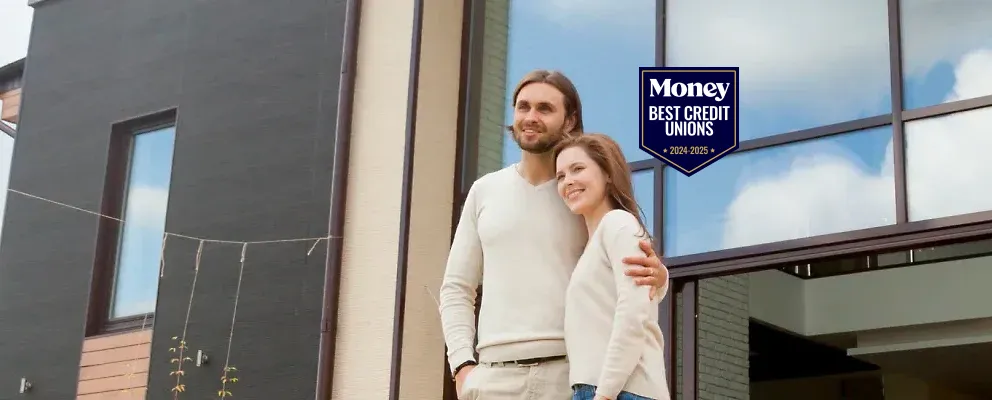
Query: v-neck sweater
[612, 334]
[521, 243]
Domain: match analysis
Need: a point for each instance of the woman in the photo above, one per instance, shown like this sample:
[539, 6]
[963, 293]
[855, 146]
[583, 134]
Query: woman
[614, 343]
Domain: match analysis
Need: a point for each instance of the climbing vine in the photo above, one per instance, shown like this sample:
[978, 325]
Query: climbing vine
[179, 359]
[227, 377]
[181, 345]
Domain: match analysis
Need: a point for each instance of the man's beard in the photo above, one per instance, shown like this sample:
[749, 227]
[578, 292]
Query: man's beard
[545, 143]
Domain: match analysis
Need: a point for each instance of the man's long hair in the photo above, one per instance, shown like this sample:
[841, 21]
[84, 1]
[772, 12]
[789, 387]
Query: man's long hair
[573, 106]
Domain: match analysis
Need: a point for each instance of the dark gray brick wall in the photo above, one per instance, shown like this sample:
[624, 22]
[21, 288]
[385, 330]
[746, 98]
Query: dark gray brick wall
[723, 338]
[255, 84]
[494, 97]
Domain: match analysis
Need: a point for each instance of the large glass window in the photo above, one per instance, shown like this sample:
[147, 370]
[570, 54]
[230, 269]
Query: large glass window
[828, 185]
[813, 69]
[804, 63]
[598, 44]
[145, 204]
[946, 51]
[947, 56]
[823, 151]
[947, 168]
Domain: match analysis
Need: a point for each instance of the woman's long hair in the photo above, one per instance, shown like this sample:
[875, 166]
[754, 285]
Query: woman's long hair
[606, 153]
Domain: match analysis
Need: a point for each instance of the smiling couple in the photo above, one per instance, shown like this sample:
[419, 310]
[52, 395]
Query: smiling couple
[572, 284]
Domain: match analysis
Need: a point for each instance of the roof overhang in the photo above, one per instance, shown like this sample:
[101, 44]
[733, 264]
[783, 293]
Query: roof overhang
[11, 82]
[11, 76]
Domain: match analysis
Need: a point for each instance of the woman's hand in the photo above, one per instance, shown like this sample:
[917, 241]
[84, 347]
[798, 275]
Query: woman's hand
[647, 270]
[598, 397]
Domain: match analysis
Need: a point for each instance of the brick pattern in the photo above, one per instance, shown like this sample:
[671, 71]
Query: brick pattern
[115, 366]
[494, 96]
[723, 338]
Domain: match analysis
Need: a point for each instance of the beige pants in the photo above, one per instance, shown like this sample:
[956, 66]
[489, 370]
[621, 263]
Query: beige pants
[546, 381]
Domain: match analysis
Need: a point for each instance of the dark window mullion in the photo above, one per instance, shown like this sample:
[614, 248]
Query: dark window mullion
[659, 169]
[898, 136]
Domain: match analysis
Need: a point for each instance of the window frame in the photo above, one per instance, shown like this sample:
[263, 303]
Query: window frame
[686, 271]
[903, 233]
[109, 230]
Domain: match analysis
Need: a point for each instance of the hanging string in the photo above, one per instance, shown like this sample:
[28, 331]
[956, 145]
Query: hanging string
[182, 85]
[314, 246]
[202, 240]
[182, 340]
[234, 317]
[316, 240]
[429, 293]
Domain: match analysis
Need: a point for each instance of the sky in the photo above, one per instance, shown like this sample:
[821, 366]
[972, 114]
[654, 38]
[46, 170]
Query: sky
[14, 32]
[803, 63]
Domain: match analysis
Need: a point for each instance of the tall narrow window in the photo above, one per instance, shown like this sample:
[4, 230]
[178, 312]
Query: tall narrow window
[139, 171]
[146, 198]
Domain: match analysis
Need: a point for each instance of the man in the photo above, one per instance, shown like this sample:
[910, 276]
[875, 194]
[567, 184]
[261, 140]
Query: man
[517, 238]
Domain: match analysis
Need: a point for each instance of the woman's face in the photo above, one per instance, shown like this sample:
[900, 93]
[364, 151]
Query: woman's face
[581, 182]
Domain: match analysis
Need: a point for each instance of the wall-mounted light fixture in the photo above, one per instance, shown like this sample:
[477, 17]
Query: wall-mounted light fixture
[201, 358]
[25, 385]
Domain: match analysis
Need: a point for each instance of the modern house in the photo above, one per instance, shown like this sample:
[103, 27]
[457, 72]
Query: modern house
[201, 185]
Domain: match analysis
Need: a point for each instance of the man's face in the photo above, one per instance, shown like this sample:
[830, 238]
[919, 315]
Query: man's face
[539, 120]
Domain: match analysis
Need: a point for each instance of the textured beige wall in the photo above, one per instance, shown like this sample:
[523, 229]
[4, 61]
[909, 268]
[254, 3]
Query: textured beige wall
[365, 317]
[365, 329]
[422, 373]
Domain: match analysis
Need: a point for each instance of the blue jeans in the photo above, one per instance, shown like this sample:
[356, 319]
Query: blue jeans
[588, 392]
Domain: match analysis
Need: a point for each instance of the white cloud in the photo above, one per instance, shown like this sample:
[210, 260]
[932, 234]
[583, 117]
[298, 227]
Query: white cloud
[595, 14]
[146, 206]
[950, 170]
[786, 49]
[972, 76]
[818, 194]
[825, 192]
[834, 55]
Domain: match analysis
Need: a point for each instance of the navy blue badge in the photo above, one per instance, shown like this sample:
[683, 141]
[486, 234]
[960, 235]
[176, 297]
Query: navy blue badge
[689, 115]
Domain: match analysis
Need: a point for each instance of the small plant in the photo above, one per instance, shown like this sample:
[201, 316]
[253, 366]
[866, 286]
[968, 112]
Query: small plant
[179, 359]
[228, 368]
[181, 347]
[226, 379]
